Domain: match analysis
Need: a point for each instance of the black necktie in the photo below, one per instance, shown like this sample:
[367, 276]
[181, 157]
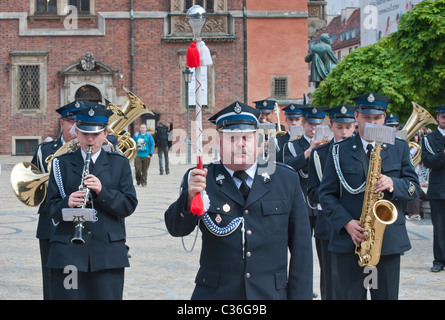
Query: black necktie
[369, 148]
[244, 188]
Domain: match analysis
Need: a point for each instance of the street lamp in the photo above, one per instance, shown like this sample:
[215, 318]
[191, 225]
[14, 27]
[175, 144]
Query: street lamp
[187, 73]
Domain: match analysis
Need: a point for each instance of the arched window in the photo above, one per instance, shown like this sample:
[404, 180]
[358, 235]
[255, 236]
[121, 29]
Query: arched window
[88, 92]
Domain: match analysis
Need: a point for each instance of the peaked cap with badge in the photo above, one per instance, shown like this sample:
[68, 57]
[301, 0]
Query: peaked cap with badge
[342, 113]
[237, 116]
[371, 103]
[266, 105]
[93, 118]
[440, 110]
[69, 110]
[391, 120]
[313, 114]
[293, 110]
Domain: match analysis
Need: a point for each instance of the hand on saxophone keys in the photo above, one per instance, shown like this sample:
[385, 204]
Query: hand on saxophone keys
[384, 183]
[355, 231]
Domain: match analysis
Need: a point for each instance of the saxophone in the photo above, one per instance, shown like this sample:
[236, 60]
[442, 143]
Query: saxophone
[376, 214]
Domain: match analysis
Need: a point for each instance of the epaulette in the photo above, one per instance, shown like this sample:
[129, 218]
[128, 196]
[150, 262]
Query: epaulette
[284, 165]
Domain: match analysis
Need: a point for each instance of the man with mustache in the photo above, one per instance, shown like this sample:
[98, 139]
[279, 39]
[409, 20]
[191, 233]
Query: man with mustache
[255, 215]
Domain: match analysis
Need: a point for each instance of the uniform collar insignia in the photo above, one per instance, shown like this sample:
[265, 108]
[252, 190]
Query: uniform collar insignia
[266, 177]
[219, 179]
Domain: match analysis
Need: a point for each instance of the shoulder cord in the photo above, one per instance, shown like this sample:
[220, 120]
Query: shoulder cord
[427, 145]
[340, 174]
[290, 145]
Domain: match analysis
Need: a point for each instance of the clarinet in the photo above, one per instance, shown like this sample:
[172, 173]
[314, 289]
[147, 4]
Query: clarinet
[77, 239]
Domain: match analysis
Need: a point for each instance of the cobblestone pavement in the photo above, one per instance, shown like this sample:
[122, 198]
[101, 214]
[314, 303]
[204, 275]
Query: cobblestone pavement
[160, 266]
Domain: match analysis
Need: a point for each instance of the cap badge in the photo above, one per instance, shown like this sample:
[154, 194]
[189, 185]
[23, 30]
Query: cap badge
[265, 103]
[343, 110]
[77, 104]
[371, 98]
[237, 108]
[292, 107]
[91, 112]
[314, 110]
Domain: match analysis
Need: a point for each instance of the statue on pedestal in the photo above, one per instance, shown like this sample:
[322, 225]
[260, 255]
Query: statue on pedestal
[323, 59]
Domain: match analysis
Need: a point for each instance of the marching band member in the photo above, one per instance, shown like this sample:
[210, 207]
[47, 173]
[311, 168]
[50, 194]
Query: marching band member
[255, 215]
[294, 117]
[95, 268]
[45, 227]
[341, 196]
[342, 124]
[296, 153]
[433, 157]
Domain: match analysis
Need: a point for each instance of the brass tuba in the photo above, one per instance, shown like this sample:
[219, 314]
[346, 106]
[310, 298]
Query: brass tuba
[376, 214]
[419, 118]
[132, 108]
[29, 183]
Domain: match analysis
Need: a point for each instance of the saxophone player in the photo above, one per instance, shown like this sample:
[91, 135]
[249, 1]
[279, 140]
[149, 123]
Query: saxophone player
[341, 195]
[96, 267]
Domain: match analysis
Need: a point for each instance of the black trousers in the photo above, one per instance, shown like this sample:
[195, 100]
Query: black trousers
[44, 252]
[349, 280]
[99, 285]
[438, 221]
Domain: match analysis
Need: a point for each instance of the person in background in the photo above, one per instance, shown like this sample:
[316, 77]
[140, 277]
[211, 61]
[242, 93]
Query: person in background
[161, 143]
[145, 145]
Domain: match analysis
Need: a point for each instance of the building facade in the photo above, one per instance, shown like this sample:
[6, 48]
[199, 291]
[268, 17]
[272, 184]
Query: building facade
[55, 51]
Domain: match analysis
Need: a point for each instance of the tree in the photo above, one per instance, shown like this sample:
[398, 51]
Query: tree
[367, 69]
[419, 43]
[408, 65]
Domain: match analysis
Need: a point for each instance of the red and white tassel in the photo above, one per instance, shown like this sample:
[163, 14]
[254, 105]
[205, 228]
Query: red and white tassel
[192, 56]
[204, 54]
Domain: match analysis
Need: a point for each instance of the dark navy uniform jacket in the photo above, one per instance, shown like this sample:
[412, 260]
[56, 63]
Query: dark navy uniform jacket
[341, 205]
[300, 164]
[275, 221]
[322, 228]
[45, 227]
[280, 141]
[104, 246]
[433, 157]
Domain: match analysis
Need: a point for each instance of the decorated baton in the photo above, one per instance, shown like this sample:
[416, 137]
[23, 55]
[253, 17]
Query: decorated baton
[198, 56]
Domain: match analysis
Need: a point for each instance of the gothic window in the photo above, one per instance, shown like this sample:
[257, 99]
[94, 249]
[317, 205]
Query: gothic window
[46, 7]
[83, 6]
[206, 4]
[89, 93]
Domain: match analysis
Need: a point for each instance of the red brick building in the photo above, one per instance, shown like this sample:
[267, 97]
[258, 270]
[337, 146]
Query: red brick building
[53, 51]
